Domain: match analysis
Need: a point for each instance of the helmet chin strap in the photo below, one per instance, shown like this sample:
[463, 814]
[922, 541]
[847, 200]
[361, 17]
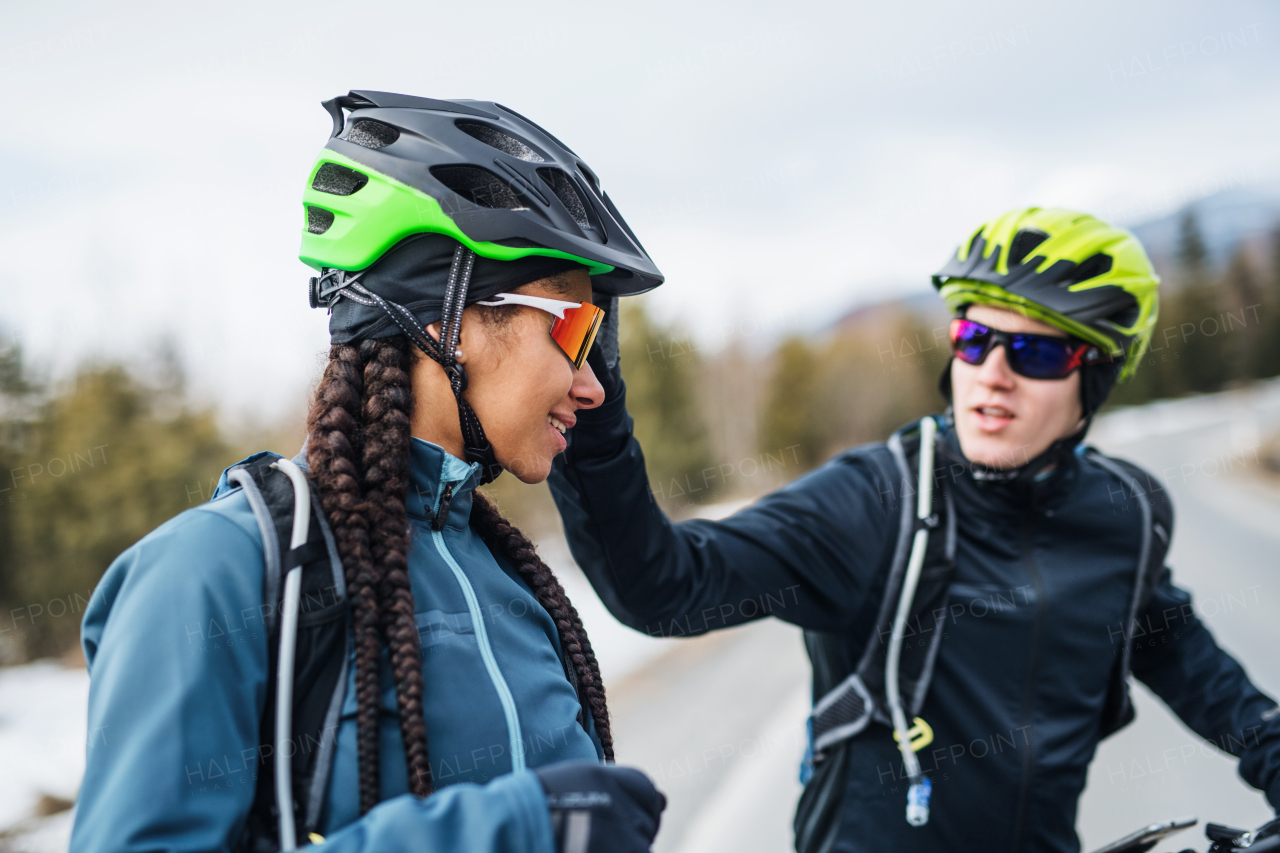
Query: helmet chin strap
[475, 445]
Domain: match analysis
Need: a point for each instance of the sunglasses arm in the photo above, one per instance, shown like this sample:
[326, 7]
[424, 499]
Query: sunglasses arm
[555, 307]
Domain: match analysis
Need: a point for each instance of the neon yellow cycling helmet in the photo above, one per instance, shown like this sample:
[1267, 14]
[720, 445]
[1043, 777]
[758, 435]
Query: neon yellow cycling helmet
[1070, 270]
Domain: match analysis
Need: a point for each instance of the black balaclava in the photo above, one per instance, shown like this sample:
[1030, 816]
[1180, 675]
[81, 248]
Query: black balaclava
[407, 289]
[415, 273]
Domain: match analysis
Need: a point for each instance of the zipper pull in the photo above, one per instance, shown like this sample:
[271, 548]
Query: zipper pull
[442, 512]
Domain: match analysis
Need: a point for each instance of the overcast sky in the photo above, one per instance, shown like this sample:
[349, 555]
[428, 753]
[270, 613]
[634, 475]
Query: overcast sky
[769, 155]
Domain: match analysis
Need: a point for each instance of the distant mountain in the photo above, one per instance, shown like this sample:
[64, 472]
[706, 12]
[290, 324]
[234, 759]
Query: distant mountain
[1226, 219]
[872, 319]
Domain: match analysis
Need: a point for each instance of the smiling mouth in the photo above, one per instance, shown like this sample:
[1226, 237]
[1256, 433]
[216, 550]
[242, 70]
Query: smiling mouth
[557, 424]
[993, 411]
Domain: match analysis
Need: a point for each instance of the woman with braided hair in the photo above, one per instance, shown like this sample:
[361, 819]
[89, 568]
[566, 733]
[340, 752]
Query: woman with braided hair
[445, 696]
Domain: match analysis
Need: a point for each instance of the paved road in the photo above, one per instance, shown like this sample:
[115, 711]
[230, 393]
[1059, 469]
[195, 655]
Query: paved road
[718, 721]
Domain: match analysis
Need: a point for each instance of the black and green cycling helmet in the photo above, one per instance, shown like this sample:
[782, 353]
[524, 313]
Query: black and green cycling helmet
[474, 171]
[1068, 269]
[417, 208]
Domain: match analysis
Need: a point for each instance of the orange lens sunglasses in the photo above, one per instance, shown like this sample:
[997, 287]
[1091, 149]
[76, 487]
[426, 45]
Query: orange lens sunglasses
[575, 327]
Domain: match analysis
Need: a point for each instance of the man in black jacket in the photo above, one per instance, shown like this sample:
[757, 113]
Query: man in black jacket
[1044, 586]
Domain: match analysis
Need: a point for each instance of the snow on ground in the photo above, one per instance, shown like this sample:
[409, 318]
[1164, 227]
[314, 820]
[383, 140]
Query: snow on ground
[43, 835]
[42, 744]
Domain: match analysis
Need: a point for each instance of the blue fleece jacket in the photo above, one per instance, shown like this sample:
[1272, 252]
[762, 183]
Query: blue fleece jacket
[177, 657]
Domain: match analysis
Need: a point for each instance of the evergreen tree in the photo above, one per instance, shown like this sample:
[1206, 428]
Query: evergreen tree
[1193, 257]
[16, 391]
[793, 416]
[1199, 361]
[661, 367]
[1265, 354]
[101, 467]
[1240, 319]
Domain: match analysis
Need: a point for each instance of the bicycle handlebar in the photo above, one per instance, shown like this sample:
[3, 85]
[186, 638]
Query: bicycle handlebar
[1264, 839]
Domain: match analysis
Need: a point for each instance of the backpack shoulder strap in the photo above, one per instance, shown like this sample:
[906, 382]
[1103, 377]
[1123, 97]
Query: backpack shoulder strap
[849, 693]
[321, 658]
[842, 706]
[1156, 509]
[1156, 519]
[854, 692]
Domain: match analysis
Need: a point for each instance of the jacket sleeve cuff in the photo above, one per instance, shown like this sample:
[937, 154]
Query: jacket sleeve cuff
[508, 815]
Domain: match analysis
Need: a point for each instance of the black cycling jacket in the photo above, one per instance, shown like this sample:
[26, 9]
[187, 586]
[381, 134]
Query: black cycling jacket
[1043, 580]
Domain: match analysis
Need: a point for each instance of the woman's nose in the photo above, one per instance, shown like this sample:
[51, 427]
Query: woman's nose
[586, 390]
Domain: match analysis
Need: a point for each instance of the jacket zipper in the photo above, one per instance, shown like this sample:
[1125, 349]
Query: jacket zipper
[1028, 685]
[486, 651]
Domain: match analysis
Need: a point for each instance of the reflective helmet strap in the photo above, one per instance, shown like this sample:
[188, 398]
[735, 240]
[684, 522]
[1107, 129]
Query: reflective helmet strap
[455, 301]
[475, 445]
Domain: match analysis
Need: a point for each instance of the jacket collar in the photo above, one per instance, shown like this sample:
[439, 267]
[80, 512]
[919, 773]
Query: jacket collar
[1041, 483]
[431, 469]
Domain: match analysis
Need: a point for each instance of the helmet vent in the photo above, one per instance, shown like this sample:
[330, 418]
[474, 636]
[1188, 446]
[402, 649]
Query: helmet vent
[338, 180]
[1126, 318]
[372, 134]
[318, 219]
[562, 185]
[504, 142]
[592, 180]
[479, 186]
[1023, 242]
[1095, 265]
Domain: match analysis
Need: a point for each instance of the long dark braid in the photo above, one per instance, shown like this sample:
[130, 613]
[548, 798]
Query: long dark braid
[505, 538]
[334, 438]
[358, 450]
[387, 404]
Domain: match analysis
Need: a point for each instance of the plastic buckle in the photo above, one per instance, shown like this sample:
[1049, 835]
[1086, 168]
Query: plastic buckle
[920, 734]
[323, 297]
[457, 377]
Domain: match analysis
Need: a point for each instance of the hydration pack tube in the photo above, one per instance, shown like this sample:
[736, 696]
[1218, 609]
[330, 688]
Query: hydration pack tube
[914, 601]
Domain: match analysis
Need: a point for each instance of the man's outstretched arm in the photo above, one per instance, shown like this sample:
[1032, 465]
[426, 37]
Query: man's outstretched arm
[807, 553]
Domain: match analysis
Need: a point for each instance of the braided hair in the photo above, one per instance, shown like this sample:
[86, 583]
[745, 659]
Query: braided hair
[358, 451]
[505, 538]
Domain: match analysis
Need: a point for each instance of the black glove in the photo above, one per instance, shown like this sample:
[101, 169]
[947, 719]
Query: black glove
[601, 808]
[607, 337]
[603, 357]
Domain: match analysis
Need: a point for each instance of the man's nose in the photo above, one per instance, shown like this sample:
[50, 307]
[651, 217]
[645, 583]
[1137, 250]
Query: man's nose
[995, 370]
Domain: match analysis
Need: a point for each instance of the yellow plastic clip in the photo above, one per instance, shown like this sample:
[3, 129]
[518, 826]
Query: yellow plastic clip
[315, 838]
[920, 733]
